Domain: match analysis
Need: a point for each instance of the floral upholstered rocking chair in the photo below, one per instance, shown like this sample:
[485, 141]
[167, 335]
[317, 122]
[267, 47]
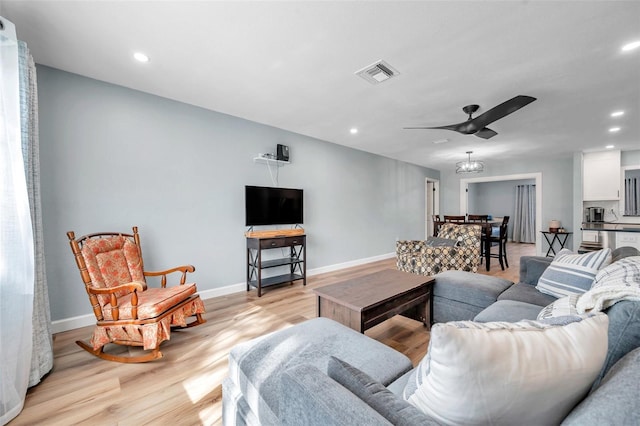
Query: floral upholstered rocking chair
[127, 312]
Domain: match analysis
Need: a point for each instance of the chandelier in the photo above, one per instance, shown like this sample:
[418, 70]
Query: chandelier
[469, 166]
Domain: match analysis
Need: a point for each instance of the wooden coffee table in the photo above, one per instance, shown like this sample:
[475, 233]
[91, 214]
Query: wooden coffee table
[363, 302]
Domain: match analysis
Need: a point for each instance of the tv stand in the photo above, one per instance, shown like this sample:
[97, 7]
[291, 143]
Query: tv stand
[296, 261]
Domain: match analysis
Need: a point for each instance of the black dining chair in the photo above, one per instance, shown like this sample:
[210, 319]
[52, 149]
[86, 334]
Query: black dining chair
[454, 219]
[501, 241]
[479, 218]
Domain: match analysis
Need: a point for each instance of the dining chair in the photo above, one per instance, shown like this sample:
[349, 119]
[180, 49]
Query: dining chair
[454, 219]
[501, 241]
[481, 218]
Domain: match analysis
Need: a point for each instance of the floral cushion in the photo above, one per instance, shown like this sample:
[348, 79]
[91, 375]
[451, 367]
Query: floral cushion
[148, 335]
[152, 302]
[112, 261]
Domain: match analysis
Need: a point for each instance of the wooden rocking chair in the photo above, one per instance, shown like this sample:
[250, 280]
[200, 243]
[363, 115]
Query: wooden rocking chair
[127, 312]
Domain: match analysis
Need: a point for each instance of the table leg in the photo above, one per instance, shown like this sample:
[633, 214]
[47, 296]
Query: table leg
[550, 249]
[487, 251]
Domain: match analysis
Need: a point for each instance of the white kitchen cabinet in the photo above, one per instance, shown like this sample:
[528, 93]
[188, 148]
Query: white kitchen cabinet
[631, 239]
[590, 236]
[601, 176]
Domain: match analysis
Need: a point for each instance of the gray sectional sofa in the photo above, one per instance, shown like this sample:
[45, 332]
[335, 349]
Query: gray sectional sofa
[292, 377]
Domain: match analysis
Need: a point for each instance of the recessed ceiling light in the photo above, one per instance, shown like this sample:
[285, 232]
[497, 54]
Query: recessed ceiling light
[353, 130]
[140, 57]
[631, 46]
[610, 146]
[614, 129]
[617, 113]
[439, 141]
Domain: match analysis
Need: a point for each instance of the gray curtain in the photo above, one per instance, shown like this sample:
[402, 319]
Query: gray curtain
[631, 197]
[42, 353]
[524, 223]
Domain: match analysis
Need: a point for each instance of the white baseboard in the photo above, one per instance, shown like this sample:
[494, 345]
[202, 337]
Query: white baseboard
[58, 326]
[67, 324]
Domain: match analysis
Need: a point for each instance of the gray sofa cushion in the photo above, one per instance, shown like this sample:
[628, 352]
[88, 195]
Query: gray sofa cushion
[509, 311]
[615, 401]
[528, 294]
[255, 366]
[391, 407]
[624, 333]
[309, 397]
[445, 310]
[472, 289]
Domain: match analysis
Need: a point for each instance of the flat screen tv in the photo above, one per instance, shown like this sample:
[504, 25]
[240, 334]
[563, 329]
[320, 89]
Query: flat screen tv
[273, 206]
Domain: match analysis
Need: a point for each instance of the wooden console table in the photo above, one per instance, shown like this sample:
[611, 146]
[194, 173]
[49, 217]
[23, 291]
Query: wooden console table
[296, 261]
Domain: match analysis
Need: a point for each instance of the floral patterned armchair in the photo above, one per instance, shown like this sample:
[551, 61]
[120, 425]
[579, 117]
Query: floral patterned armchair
[418, 257]
[127, 311]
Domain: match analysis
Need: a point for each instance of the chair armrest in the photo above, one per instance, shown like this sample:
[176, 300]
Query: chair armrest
[132, 286]
[310, 397]
[163, 282]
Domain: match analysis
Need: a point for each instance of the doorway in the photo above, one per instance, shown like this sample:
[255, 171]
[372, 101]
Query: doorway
[432, 204]
[464, 190]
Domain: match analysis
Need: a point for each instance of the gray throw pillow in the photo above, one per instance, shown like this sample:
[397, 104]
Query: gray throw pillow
[442, 242]
[623, 336]
[615, 401]
[396, 410]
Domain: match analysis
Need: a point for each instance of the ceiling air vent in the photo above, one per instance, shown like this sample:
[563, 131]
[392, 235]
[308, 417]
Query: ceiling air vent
[377, 72]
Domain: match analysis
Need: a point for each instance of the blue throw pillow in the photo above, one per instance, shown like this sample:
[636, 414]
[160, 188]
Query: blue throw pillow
[571, 273]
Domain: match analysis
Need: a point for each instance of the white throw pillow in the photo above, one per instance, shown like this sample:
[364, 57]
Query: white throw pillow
[499, 373]
[618, 281]
[565, 306]
[572, 273]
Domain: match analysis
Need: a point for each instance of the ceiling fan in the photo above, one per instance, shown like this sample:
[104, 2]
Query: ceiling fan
[477, 126]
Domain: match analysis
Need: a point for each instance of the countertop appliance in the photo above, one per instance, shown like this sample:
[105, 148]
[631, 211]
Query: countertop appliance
[594, 214]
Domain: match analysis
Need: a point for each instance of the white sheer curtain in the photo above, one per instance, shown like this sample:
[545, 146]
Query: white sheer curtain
[42, 352]
[16, 239]
[524, 224]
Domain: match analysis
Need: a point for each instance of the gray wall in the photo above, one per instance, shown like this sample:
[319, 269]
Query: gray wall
[113, 157]
[557, 187]
[495, 198]
[630, 158]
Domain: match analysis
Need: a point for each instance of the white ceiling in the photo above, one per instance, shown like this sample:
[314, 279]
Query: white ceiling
[291, 65]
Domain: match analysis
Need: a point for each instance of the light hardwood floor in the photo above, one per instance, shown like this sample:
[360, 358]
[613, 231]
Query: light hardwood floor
[184, 387]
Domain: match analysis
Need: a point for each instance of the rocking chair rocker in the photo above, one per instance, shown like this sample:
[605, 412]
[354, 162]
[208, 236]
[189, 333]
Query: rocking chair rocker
[127, 312]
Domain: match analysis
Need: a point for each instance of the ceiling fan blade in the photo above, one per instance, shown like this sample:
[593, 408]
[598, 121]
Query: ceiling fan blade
[502, 110]
[450, 127]
[485, 133]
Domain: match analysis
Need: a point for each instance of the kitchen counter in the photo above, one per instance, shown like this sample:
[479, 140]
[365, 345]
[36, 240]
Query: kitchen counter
[611, 226]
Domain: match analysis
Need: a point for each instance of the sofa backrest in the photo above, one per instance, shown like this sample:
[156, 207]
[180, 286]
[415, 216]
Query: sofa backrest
[532, 267]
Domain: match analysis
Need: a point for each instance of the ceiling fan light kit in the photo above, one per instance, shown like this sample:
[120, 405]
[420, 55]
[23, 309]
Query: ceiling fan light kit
[477, 126]
[468, 166]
